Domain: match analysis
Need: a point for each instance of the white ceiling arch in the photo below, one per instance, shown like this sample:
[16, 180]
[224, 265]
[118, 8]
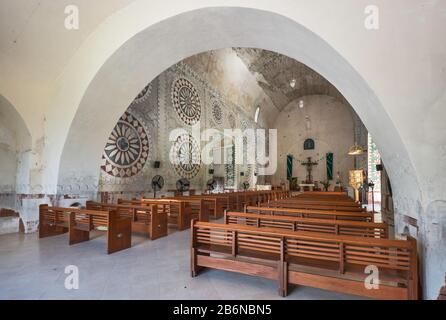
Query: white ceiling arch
[154, 49]
[385, 82]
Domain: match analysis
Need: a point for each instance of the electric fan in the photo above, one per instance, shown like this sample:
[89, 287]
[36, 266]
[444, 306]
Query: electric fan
[157, 184]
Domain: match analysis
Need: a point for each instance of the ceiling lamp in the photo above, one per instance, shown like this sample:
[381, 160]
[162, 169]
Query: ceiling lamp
[301, 104]
[293, 83]
[356, 150]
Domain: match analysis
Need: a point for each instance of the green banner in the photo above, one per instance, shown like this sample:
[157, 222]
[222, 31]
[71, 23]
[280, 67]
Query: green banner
[329, 157]
[289, 167]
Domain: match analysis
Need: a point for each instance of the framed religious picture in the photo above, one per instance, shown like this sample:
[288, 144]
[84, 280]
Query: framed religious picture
[309, 144]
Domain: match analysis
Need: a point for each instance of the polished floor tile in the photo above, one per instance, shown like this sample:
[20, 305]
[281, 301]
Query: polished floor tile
[33, 268]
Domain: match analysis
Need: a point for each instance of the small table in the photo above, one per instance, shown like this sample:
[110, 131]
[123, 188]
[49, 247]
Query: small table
[310, 185]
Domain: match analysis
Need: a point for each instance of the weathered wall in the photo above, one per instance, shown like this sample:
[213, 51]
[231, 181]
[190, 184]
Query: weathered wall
[226, 96]
[15, 152]
[388, 84]
[325, 120]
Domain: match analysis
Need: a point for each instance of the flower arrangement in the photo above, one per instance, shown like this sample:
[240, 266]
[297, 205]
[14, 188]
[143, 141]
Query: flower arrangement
[326, 184]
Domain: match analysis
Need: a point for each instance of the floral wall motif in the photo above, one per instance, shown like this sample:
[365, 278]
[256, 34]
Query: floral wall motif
[179, 98]
[127, 148]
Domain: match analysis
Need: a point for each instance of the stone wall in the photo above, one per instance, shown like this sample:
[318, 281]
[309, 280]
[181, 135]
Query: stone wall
[329, 123]
[203, 91]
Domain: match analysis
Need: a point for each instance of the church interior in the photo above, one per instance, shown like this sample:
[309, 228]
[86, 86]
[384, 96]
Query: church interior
[158, 150]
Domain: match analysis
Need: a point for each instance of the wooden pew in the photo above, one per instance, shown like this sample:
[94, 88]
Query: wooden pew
[324, 193]
[119, 228]
[53, 221]
[79, 223]
[325, 202]
[186, 208]
[317, 206]
[342, 227]
[151, 219]
[178, 212]
[313, 213]
[212, 206]
[330, 262]
[237, 200]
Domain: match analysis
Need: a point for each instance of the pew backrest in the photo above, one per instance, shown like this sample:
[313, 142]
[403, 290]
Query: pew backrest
[342, 227]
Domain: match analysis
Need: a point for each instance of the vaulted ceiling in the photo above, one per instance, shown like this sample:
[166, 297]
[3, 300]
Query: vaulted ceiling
[274, 72]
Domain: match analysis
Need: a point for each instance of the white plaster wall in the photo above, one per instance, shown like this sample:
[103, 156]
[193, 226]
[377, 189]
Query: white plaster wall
[215, 75]
[8, 156]
[15, 143]
[332, 130]
[225, 71]
[393, 77]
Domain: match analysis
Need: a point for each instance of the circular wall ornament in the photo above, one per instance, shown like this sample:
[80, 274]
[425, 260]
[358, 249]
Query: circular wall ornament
[144, 94]
[186, 101]
[185, 156]
[127, 148]
[217, 112]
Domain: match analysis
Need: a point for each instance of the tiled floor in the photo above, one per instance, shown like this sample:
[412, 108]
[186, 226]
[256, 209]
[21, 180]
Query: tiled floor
[34, 269]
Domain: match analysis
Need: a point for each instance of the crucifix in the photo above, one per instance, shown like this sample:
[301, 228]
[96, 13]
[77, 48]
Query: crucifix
[309, 164]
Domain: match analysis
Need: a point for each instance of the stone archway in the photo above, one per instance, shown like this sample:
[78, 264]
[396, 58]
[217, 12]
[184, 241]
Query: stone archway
[153, 50]
[148, 53]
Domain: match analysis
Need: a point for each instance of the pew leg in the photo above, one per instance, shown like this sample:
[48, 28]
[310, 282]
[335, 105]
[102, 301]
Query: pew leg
[193, 263]
[77, 235]
[184, 220]
[46, 230]
[119, 234]
[204, 213]
[283, 279]
[158, 226]
[218, 212]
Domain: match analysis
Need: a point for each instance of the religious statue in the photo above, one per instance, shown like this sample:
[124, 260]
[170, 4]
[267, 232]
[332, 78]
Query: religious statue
[309, 164]
[356, 179]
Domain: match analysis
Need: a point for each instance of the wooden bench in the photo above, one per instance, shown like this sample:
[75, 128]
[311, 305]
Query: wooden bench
[324, 202]
[342, 227]
[151, 219]
[317, 206]
[330, 262]
[182, 209]
[79, 223]
[201, 207]
[53, 221]
[178, 212]
[117, 226]
[237, 200]
[312, 213]
[324, 194]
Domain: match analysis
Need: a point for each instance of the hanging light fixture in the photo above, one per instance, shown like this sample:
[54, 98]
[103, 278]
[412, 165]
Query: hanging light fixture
[293, 83]
[356, 150]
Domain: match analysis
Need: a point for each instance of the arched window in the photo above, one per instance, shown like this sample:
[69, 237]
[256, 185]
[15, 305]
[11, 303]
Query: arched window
[256, 116]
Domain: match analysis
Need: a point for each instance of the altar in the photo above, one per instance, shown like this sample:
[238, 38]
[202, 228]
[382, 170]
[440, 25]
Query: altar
[309, 185]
